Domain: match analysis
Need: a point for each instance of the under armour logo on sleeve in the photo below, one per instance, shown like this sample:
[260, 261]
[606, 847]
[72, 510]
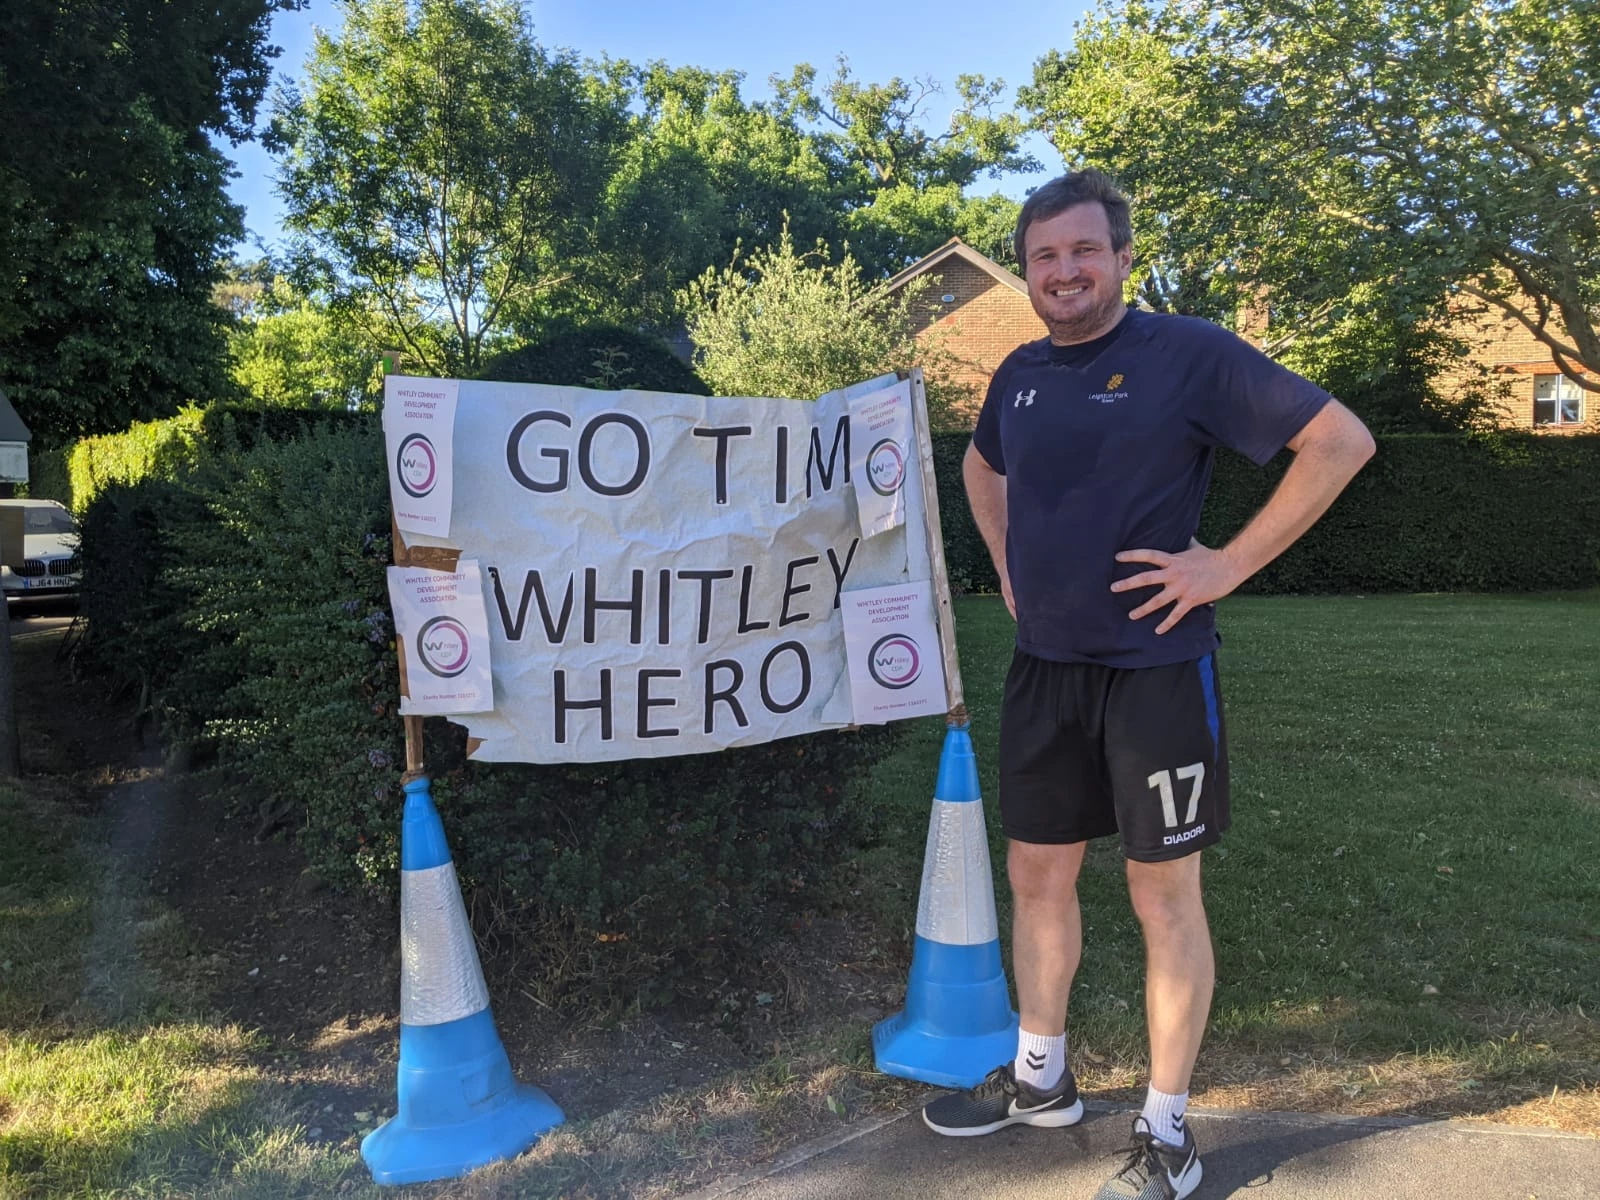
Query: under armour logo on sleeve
[1028, 399]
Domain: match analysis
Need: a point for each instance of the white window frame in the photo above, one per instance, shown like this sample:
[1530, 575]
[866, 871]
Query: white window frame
[1560, 389]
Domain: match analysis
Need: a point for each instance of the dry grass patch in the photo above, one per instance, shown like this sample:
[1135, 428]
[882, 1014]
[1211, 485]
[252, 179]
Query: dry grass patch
[689, 1138]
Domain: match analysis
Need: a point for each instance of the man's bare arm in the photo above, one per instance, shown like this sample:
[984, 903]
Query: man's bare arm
[1327, 454]
[986, 493]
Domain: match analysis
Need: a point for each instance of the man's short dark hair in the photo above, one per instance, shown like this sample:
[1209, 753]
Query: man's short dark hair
[1067, 191]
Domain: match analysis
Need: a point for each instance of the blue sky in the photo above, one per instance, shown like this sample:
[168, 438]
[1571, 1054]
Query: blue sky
[937, 38]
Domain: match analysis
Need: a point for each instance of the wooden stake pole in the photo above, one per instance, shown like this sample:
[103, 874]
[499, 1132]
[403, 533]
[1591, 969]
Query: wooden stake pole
[957, 708]
[401, 554]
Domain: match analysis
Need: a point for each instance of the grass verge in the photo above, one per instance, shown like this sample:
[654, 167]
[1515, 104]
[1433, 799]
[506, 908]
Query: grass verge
[1404, 910]
[110, 1084]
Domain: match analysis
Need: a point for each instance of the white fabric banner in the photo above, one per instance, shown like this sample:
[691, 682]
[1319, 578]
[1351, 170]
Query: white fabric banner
[662, 573]
[882, 446]
[892, 642]
[443, 633]
[419, 418]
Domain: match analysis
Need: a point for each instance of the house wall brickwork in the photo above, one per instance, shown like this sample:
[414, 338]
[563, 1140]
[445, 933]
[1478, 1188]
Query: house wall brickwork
[1502, 360]
[1505, 357]
[984, 322]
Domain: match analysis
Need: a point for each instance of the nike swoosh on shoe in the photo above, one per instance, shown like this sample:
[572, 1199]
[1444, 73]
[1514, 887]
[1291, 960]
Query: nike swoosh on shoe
[1177, 1182]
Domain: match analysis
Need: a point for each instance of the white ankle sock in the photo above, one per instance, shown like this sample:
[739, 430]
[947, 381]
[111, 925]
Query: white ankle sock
[1164, 1114]
[1040, 1059]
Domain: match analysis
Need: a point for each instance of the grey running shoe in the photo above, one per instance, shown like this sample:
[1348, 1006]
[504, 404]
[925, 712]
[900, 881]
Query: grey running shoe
[1154, 1170]
[1000, 1100]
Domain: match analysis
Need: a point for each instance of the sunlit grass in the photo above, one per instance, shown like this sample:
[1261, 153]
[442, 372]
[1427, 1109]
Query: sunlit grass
[1411, 868]
[137, 1105]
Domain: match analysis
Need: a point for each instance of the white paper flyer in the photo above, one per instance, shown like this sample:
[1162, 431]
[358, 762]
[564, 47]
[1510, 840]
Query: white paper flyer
[442, 627]
[892, 644]
[419, 417]
[882, 439]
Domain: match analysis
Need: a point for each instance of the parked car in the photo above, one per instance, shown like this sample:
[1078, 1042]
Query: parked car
[50, 564]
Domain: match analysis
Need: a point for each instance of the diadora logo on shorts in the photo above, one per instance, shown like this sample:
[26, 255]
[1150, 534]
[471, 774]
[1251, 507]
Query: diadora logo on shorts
[1111, 395]
[444, 647]
[1028, 399]
[886, 467]
[895, 661]
[1178, 839]
[418, 466]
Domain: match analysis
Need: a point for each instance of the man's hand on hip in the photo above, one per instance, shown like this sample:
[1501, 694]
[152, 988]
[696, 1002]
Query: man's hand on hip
[1196, 576]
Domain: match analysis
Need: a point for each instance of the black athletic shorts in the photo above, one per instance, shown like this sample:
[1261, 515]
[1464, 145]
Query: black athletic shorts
[1087, 751]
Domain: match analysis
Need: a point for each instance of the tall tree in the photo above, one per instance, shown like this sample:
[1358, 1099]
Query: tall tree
[899, 185]
[703, 170]
[1302, 148]
[706, 170]
[113, 211]
[439, 169]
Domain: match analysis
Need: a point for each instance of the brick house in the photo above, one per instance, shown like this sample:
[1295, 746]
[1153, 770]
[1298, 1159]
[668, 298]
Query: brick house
[979, 307]
[1521, 374]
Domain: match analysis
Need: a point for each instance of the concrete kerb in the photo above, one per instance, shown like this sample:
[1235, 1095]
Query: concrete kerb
[798, 1156]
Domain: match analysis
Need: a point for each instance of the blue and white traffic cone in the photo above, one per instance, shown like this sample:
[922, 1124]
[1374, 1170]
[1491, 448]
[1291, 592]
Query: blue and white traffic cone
[957, 1024]
[459, 1107]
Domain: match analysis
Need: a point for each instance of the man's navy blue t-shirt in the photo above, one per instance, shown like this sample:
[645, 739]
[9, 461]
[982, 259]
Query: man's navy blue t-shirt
[1107, 447]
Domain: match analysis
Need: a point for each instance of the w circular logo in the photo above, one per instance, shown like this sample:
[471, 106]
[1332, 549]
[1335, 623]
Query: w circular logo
[894, 661]
[444, 647]
[886, 467]
[417, 466]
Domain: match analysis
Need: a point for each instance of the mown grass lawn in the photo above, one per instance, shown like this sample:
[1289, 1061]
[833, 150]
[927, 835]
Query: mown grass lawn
[1411, 877]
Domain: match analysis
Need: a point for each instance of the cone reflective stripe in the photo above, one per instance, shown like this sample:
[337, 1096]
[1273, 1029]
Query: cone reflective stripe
[459, 1106]
[957, 1024]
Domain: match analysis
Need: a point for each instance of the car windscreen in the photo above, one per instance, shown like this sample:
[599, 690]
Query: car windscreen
[48, 520]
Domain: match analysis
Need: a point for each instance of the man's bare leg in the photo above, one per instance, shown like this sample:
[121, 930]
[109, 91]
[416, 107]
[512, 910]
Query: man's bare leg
[1046, 930]
[1180, 970]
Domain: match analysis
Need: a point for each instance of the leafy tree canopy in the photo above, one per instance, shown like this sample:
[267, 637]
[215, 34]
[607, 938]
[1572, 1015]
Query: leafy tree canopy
[288, 350]
[1301, 149]
[898, 185]
[705, 169]
[113, 209]
[440, 170]
[783, 323]
[701, 169]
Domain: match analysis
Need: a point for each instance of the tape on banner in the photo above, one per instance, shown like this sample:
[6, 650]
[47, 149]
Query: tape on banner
[440, 977]
[957, 902]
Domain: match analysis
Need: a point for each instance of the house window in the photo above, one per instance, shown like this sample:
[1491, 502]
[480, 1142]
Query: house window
[1556, 401]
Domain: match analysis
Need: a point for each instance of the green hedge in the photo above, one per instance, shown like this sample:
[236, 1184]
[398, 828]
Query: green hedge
[166, 449]
[1429, 513]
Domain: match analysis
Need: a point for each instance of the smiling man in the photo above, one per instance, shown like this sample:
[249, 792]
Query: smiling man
[1086, 474]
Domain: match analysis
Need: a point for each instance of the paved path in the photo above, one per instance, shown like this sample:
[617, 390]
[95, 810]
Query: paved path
[35, 618]
[1253, 1156]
